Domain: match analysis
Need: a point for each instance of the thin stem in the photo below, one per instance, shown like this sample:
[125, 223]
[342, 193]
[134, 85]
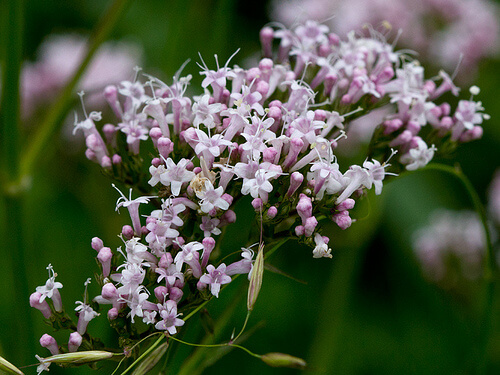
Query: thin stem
[194, 361]
[490, 264]
[216, 346]
[244, 326]
[269, 253]
[56, 113]
[490, 267]
[143, 355]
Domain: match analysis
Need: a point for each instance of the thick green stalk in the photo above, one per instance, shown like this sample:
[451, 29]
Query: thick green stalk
[20, 331]
[12, 30]
[57, 112]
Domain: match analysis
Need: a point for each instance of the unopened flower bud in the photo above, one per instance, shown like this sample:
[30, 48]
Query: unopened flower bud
[109, 291]
[165, 146]
[47, 341]
[113, 313]
[228, 217]
[348, 204]
[97, 244]
[74, 342]
[127, 232]
[166, 260]
[175, 294]
[160, 293]
[296, 179]
[283, 360]
[304, 207]
[342, 219]
[105, 255]
[310, 226]
[272, 212]
[266, 40]
[117, 159]
[257, 204]
[42, 306]
[256, 279]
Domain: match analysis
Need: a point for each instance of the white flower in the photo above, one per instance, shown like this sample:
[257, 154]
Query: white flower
[418, 157]
[321, 250]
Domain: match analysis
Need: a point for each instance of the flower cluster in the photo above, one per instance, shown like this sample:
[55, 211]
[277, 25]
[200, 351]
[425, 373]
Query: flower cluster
[442, 32]
[266, 137]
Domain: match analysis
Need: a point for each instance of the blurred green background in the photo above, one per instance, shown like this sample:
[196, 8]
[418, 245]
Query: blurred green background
[366, 311]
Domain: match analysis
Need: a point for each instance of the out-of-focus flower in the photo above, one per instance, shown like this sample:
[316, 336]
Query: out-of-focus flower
[440, 30]
[452, 245]
[58, 58]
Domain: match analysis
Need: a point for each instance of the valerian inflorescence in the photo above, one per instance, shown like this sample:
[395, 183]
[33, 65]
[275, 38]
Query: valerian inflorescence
[268, 132]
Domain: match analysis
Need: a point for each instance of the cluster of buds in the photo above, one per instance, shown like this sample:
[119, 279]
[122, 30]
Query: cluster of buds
[268, 132]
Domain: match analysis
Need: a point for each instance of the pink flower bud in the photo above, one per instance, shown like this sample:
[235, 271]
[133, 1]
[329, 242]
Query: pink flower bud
[160, 293]
[299, 230]
[296, 179]
[117, 159]
[310, 226]
[304, 207]
[175, 294]
[105, 255]
[74, 342]
[348, 204]
[109, 131]
[272, 212]
[127, 232]
[113, 313]
[42, 306]
[97, 244]
[266, 36]
[109, 292]
[402, 139]
[257, 204]
[228, 198]
[166, 260]
[165, 146]
[47, 341]
[227, 218]
[342, 219]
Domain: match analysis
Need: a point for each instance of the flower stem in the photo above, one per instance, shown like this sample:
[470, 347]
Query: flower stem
[58, 111]
[490, 267]
[12, 217]
[216, 346]
[144, 355]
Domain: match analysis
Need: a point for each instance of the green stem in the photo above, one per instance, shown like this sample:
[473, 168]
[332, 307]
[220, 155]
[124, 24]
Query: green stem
[194, 361]
[217, 346]
[12, 57]
[145, 354]
[58, 111]
[490, 267]
[12, 219]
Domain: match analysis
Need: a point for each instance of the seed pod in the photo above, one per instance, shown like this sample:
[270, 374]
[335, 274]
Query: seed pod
[283, 360]
[256, 278]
